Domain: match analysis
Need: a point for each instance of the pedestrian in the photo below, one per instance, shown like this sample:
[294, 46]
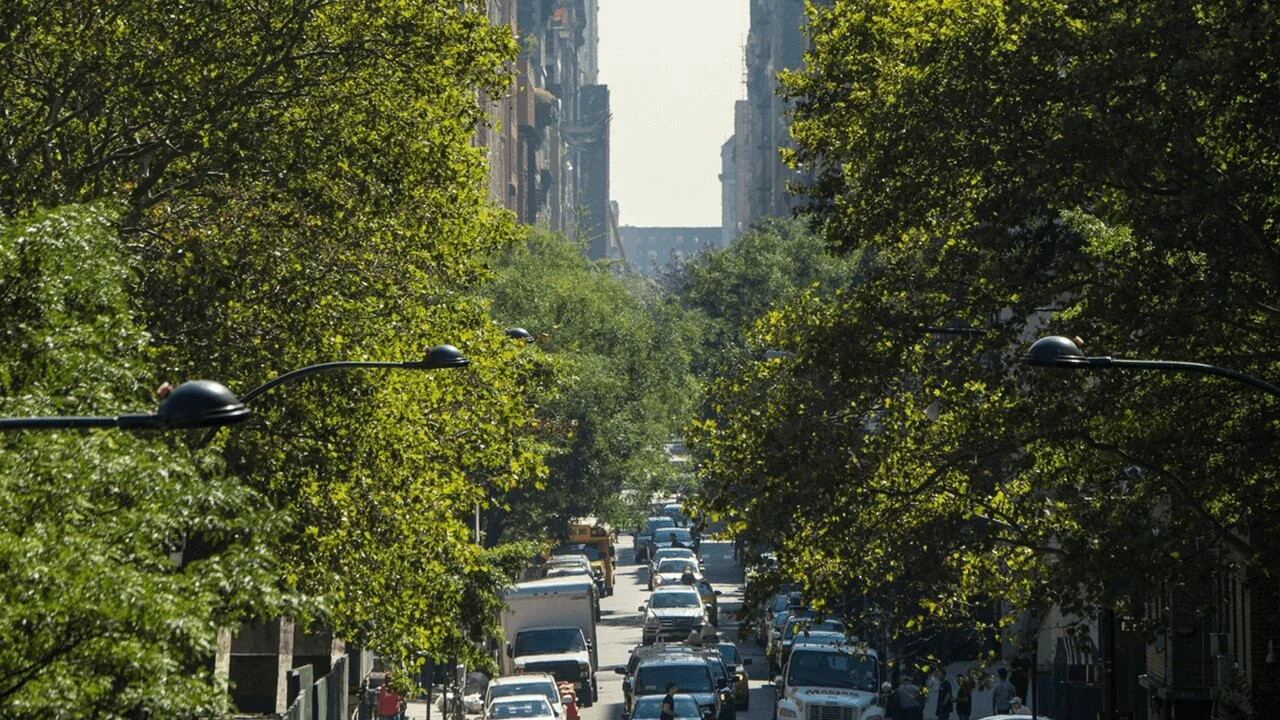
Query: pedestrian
[946, 699]
[964, 696]
[389, 705]
[910, 700]
[668, 709]
[1002, 693]
[1016, 707]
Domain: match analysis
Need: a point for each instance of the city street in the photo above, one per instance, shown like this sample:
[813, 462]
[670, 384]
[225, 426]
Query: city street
[619, 629]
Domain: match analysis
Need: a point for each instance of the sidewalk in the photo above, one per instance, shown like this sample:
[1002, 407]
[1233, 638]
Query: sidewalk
[417, 710]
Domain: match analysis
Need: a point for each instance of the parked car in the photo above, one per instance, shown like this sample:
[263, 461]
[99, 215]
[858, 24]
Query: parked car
[671, 613]
[738, 667]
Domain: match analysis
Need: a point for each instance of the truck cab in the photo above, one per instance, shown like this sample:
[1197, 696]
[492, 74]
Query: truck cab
[829, 682]
[550, 627]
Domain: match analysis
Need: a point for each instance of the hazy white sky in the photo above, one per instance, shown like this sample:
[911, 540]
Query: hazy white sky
[674, 70]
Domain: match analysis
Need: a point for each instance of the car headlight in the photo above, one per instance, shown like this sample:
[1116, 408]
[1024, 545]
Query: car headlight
[787, 713]
[657, 580]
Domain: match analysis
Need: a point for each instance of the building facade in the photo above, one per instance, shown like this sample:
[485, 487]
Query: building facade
[759, 181]
[648, 250]
[548, 140]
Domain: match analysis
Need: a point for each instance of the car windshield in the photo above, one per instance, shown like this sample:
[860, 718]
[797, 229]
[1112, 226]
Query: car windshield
[556, 640]
[657, 523]
[673, 535]
[520, 709]
[533, 687]
[802, 624]
[779, 603]
[783, 618]
[690, 678]
[650, 706]
[677, 565]
[675, 600]
[729, 652]
[832, 669]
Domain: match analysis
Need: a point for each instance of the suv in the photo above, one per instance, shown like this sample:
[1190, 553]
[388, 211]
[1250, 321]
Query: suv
[671, 613]
[690, 670]
[829, 682]
[530, 684]
[644, 538]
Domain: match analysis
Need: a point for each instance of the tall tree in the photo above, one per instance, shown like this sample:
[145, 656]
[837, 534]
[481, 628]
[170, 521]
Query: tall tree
[1017, 168]
[299, 186]
[623, 383]
[93, 610]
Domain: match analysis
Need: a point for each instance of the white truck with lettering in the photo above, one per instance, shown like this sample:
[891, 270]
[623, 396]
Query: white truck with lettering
[550, 627]
[829, 682]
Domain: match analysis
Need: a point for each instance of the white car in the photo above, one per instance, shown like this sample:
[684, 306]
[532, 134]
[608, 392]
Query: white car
[671, 613]
[518, 685]
[520, 707]
[665, 553]
[671, 571]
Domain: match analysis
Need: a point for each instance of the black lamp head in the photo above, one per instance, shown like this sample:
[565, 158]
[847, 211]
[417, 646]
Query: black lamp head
[200, 403]
[520, 334]
[444, 356]
[1056, 351]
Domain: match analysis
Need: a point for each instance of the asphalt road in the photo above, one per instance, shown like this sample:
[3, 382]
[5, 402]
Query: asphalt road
[619, 628]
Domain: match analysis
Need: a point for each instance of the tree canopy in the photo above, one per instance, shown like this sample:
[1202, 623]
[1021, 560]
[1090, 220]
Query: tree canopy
[297, 185]
[622, 384]
[92, 607]
[1017, 169]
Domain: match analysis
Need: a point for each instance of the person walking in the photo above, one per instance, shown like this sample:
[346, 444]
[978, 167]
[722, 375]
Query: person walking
[1002, 693]
[945, 697]
[668, 709]
[964, 696]
[389, 704]
[910, 700]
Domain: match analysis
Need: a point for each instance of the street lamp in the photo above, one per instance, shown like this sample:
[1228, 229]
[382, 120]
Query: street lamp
[437, 358]
[194, 404]
[1060, 352]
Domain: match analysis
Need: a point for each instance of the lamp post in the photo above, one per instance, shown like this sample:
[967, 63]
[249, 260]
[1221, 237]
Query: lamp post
[437, 358]
[194, 404]
[1060, 352]
[1056, 351]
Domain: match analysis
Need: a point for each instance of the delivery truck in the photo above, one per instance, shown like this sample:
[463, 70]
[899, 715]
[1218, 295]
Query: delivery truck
[549, 626]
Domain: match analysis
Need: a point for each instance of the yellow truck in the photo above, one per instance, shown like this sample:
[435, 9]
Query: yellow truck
[595, 540]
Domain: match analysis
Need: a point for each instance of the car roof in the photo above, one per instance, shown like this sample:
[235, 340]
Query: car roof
[520, 698]
[527, 677]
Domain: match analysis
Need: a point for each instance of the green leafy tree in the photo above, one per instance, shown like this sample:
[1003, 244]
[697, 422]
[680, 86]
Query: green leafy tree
[299, 186]
[92, 607]
[623, 385]
[1020, 168]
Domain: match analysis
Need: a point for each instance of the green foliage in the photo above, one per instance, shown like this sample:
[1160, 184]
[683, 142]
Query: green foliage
[92, 608]
[727, 290]
[623, 386]
[1024, 167]
[299, 187]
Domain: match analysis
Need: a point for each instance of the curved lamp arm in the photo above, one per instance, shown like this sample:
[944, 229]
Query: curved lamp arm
[437, 358]
[1060, 352]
